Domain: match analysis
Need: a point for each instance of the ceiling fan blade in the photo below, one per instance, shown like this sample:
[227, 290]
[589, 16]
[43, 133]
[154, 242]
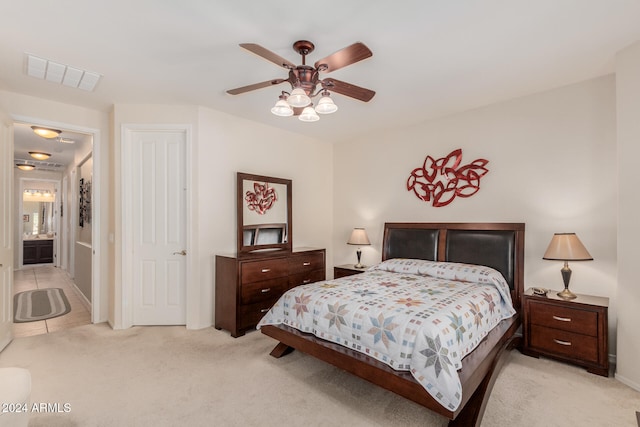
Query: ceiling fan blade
[348, 89]
[347, 56]
[268, 55]
[243, 89]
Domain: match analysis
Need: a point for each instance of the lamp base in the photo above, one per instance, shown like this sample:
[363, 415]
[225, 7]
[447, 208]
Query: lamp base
[566, 294]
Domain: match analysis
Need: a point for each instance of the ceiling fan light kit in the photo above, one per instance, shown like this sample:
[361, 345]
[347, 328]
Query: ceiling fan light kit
[282, 108]
[304, 79]
[298, 98]
[308, 115]
[326, 104]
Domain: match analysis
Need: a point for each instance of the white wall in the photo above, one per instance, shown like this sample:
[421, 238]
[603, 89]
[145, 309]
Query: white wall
[552, 165]
[228, 145]
[221, 146]
[628, 107]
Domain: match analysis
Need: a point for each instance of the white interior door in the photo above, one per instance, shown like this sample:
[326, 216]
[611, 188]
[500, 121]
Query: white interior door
[159, 227]
[6, 235]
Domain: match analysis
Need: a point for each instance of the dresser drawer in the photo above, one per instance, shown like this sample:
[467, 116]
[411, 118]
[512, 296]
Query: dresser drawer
[568, 319]
[304, 278]
[255, 271]
[250, 314]
[564, 343]
[306, 262]
[263, 290]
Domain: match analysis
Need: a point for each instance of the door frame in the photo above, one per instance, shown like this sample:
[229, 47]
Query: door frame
[126, 171]
[6, 239]
[98, 291]
[20, 228]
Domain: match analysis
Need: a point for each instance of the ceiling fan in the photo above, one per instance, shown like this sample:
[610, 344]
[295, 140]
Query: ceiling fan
[305, 80]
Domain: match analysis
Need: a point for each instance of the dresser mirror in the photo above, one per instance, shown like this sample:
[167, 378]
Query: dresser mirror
[264, 213]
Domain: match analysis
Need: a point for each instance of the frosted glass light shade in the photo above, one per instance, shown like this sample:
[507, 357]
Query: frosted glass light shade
[46, 132]
[309, 115]
[326, 106]
[38, 155]
[282, 109]
[298, 98]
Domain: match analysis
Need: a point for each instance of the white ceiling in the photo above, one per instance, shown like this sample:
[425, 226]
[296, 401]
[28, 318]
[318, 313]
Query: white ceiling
[430, 57]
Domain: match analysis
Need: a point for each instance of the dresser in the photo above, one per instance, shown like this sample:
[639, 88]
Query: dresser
[573, 331]
[247, 286]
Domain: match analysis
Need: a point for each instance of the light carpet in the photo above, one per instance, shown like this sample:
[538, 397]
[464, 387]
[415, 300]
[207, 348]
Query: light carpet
[170, 376]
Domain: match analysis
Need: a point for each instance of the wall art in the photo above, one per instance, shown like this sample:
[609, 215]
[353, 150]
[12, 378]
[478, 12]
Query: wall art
[262, 198]
[84, 202]
[442, 180]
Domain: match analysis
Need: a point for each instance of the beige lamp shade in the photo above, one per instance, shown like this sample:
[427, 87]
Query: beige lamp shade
[359, 237]
[566, 247]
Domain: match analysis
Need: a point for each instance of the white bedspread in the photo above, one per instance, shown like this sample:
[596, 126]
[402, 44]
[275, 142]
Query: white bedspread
[414, 315]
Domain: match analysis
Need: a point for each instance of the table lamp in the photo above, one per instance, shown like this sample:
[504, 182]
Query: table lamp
[359, 237]
[566, 247]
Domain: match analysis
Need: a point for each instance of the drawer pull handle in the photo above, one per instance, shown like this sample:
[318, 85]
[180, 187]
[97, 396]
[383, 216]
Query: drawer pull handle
[266, 270]
[264, 291]
[264, 310]
[562, 319]
[306, 264]
[305, 281]
[561, 342]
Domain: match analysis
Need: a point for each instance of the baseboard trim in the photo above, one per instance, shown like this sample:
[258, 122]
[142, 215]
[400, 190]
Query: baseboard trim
[626, 381]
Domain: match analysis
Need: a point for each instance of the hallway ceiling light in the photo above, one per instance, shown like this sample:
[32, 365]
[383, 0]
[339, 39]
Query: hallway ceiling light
[46, 132]
[25, 167]
[39, 155]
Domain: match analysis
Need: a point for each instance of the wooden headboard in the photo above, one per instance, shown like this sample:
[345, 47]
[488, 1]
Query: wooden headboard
[496, 245]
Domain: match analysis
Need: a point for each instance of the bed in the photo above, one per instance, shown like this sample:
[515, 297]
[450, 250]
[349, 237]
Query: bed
[499, 246]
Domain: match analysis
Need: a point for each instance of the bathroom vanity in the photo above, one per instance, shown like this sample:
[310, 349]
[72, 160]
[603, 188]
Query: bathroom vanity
[37, 251]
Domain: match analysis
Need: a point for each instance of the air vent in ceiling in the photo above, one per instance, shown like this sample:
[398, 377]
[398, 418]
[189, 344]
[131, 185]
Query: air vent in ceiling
[43, 166]
[63, 74]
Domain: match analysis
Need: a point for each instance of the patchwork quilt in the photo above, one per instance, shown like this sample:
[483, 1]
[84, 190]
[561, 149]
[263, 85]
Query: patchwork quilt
[414, 315]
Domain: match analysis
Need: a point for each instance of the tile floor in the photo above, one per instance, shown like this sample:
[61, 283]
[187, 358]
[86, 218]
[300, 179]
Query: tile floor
[41, 277]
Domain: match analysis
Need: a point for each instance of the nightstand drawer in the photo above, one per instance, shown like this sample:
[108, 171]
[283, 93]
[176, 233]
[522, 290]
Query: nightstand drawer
[565, 318]
[564, 343]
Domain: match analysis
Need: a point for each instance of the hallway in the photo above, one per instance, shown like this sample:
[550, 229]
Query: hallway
[41, 277]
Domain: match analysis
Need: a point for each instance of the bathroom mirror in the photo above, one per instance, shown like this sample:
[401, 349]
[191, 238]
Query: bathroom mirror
[37, 218]
[264, 213]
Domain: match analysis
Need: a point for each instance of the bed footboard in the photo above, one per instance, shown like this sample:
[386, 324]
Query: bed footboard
[478, 372]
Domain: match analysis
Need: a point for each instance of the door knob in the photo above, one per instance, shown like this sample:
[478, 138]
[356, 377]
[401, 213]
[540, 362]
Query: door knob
[182, 252]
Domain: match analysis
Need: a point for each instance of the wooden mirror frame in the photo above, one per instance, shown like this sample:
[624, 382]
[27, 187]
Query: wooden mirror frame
[240, 200]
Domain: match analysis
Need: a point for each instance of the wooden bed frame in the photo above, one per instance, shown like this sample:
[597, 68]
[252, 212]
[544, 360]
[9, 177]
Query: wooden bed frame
[497, 245]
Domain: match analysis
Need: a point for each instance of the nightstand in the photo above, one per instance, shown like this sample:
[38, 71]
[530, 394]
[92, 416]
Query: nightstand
[347, 270]
[573, 331]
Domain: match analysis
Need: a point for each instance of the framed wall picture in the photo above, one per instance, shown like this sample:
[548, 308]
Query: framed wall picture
[25, 218]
